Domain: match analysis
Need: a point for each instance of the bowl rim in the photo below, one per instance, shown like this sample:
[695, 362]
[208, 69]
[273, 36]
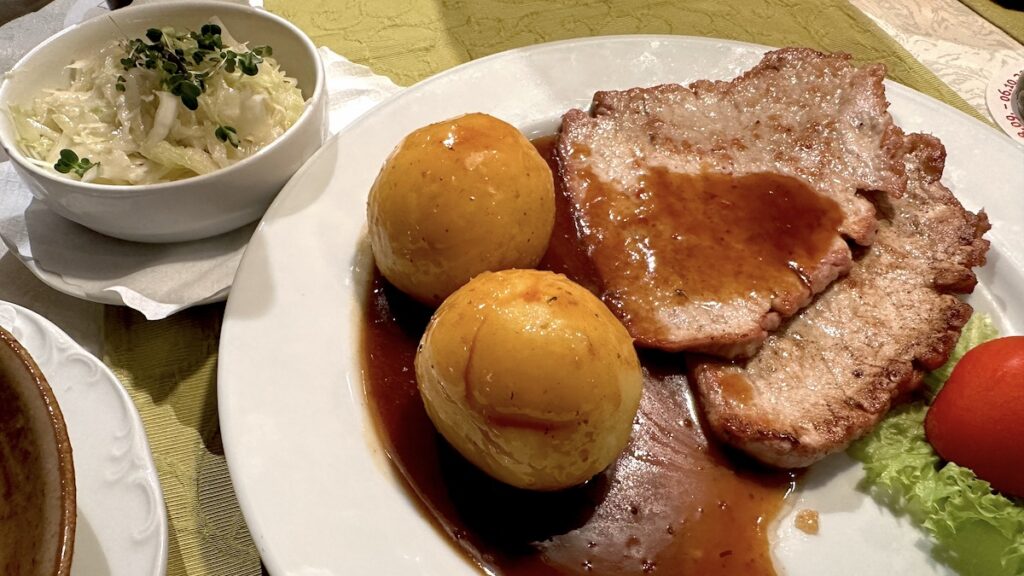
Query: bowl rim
[105, 190]
[65, 459]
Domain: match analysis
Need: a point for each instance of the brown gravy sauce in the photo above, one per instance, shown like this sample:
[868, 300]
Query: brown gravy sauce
[674, 502]
[760, 233]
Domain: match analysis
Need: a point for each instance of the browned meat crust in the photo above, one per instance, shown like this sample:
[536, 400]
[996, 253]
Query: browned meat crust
[798, 113]
[831, 373]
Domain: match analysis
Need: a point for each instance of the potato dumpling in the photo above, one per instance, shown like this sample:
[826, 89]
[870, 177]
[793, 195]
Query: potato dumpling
[458, 198]
[530, 377]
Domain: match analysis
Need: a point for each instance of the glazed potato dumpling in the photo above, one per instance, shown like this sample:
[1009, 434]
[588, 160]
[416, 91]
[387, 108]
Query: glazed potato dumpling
[530, 377]
[458, 198]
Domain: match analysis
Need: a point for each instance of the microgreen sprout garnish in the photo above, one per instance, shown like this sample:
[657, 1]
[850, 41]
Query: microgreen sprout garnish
[227, 134]
[184, 61]
[69, 162]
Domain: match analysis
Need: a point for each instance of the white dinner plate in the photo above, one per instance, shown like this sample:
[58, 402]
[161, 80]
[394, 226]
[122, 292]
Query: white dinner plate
[311, 477]
[121, 529]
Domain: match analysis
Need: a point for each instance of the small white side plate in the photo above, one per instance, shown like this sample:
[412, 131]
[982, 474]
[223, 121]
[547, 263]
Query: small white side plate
[155, 279]
[122, 523]
[1000, 94]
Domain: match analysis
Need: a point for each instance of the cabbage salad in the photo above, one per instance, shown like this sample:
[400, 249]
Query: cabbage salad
[976, 531]
[165, 107]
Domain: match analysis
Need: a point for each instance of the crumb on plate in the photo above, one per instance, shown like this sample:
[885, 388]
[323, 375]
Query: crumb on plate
[807, 521]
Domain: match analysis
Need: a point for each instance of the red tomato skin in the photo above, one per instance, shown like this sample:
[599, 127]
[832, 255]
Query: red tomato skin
[977, 419]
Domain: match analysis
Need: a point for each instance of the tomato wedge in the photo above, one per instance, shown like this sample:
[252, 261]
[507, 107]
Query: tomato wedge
[977, 419]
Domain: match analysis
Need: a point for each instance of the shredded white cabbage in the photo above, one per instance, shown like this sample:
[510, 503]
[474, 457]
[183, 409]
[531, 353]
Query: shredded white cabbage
[143, 134]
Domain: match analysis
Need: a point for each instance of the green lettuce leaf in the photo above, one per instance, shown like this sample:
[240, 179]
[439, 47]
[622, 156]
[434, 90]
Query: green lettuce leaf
[976, 531]
[978, 329]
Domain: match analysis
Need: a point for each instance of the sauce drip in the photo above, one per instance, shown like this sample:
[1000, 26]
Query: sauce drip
[673, 503]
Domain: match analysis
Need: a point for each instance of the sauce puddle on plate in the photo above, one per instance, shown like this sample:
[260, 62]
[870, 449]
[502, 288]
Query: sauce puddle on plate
[673, 503]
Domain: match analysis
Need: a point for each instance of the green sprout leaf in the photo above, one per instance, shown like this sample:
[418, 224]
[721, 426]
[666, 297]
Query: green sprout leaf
[190, 102]
[70, 162]
[249, 63]
[68, 156]
[227, 134]
[208, 37]
[184, 61]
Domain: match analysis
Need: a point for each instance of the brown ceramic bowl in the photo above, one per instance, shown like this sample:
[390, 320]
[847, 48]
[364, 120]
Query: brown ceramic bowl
[37, 475]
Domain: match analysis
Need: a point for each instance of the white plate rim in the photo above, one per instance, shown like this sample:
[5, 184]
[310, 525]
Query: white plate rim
[229, 383]
[127, 463]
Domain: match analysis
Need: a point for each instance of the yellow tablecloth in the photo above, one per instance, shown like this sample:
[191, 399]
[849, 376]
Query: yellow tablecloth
[411, 40]
[1002, 16]
[169, 366]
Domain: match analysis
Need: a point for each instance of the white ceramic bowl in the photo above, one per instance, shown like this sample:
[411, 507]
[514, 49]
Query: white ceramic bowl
[187, 209]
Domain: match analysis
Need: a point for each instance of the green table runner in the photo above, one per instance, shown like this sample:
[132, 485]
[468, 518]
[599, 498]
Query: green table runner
[1008, 20]
[169, 366]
